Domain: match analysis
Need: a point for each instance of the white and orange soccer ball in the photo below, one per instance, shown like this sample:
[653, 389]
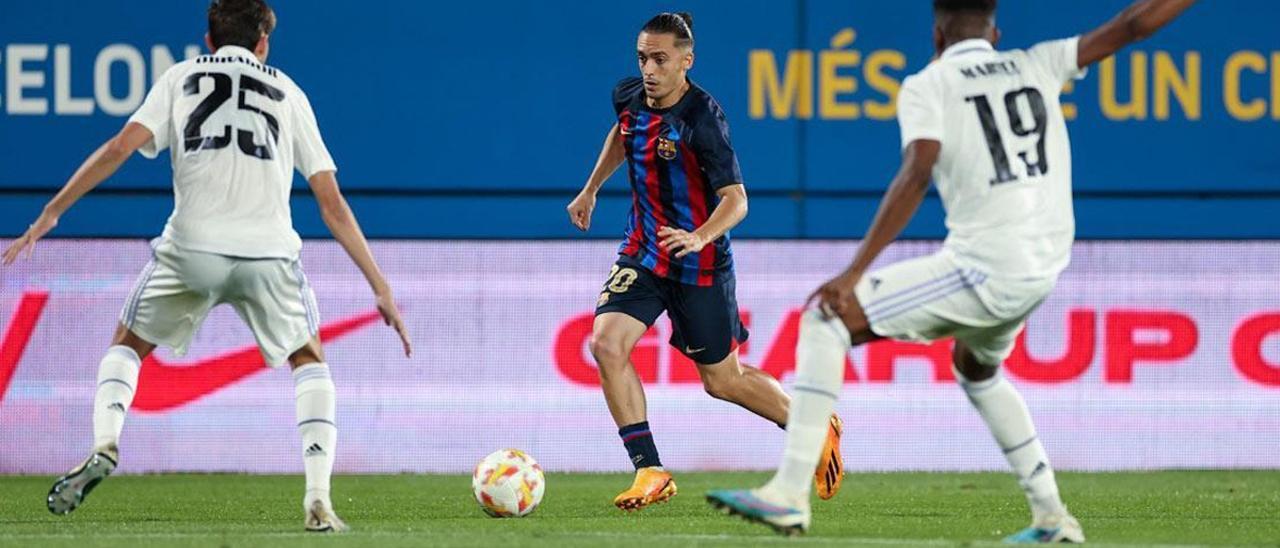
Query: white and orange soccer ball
[508, 484]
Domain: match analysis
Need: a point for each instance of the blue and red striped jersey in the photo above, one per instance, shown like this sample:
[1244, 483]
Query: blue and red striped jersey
[677, 158]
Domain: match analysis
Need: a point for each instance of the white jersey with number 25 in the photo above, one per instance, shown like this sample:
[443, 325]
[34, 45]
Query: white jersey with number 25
[237, 130]
[1004, 171]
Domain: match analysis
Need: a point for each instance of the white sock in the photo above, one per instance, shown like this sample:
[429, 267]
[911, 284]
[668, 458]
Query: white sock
[820, 358]
[1006, 415]
[315, 405]
[117, 381]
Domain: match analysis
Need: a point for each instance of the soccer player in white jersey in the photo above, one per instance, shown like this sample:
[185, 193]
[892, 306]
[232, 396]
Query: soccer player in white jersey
[237, 129]
[988, 127]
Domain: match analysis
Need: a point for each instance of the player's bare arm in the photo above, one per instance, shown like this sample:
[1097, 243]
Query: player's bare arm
[612, 154]
[340, 220]
[731, 211]
[899, 205]
[96, 168]
[1135, 23]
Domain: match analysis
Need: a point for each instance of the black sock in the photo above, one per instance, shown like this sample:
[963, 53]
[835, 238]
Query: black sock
[640, 447]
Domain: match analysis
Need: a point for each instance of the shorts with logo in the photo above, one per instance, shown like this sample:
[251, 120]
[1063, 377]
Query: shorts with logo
[705, 324]
[937, 296]
[178, 288]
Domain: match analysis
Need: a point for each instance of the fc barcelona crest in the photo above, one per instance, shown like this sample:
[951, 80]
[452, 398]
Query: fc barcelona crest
[666, 149]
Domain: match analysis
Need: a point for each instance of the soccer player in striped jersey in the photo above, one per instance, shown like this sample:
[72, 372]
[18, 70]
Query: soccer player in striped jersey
[987, 127]
[687, 193]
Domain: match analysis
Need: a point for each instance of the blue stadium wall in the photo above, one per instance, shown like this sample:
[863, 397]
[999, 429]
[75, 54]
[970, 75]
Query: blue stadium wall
[481, 120]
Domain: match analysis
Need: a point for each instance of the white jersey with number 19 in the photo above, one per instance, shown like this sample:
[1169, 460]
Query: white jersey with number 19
[1004, 170]
[237, 130]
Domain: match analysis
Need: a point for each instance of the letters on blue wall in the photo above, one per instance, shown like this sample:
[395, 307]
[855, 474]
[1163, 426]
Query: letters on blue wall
[510, 100]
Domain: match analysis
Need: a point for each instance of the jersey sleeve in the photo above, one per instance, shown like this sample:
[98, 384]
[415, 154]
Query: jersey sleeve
[919, 112]
[715, 152]
[310, 156]
[156, 114]
[1059, 59]
[625, 92]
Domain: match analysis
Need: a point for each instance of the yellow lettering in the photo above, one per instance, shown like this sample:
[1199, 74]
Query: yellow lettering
[831, 84]
[1137, 107]
[1275, 85]
[883, 83]
[1186, 88]
[1236, 106]
[792, 95]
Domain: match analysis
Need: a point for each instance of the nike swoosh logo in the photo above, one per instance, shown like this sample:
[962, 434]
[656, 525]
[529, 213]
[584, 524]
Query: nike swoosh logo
[163, 386]
[688, 350]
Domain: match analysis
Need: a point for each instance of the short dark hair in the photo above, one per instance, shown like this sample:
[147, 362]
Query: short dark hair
[239, 22]
[680, 24]
[977, 7]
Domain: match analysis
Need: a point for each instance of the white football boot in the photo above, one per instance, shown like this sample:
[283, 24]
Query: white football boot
[757, 506]
[69, 491]
[1051, 529]
[321, 519]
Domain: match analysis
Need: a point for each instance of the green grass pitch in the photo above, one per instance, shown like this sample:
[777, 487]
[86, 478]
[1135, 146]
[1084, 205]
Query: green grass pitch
[1179, 508]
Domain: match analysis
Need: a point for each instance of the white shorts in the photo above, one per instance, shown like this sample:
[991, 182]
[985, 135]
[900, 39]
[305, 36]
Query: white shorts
[178, 288]
[933, 297]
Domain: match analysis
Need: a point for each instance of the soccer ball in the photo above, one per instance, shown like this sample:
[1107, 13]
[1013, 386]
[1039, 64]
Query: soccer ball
[508, 483]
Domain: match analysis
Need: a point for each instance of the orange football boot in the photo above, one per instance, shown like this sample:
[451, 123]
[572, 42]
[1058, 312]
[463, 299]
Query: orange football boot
[652, 485]
[830, 470]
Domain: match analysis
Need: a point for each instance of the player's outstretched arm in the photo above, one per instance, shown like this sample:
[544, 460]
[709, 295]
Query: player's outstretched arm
[731, 210]
[337, 215]
[95, 169]
[899, 205]
[1138, 21]
[611, 156]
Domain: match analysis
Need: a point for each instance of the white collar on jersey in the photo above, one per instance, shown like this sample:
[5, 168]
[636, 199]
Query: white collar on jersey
[965, 46]
[236, 51]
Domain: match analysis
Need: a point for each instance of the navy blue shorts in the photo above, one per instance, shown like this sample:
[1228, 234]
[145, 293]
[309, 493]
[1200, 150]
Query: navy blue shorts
[705, 323]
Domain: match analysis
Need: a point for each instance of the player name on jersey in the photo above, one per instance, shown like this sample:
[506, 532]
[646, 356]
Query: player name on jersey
[236, 59]
[992, 68]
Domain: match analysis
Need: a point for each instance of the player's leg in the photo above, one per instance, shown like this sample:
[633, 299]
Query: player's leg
[166, 304]
[315, 405]
[754, 390]
[117, 382]
[276, 301]
[976, 358]
[759, 392]
[897, 302]
[783, 503]
[900, 301]
[629, 303]
[823, 343]
[613, 336]
[707, 327]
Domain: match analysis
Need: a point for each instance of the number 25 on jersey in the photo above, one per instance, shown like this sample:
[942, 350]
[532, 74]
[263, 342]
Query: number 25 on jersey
[193, 140]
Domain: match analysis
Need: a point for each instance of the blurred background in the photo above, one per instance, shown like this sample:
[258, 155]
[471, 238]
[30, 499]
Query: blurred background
[461, 131]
